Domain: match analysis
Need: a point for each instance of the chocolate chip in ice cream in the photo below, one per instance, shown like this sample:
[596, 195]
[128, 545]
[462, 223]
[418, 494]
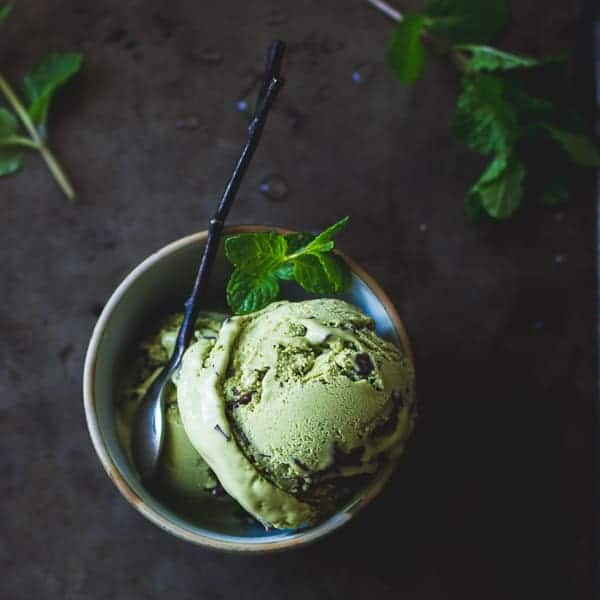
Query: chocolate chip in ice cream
[364, 365]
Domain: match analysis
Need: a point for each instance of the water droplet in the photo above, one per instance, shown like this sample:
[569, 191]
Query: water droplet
[187, 123]
[276, 17]
[363, 73]
[243, 105]
[274, 187]
[559, 259]
[246, 100]
[423, 227]
[210, 56]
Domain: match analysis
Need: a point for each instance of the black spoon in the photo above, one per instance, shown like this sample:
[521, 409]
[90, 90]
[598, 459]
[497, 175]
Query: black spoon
[149, 424]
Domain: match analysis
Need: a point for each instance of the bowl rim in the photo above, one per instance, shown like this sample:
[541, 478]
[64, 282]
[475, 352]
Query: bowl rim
[157, 517]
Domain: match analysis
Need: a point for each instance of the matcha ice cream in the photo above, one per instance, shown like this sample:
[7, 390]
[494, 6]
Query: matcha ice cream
[293, 404]
[182, 473]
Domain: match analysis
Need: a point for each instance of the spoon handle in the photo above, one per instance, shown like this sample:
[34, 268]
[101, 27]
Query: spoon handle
[269, 90]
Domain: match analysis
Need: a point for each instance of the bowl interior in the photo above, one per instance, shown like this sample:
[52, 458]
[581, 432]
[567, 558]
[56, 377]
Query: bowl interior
[159, 286]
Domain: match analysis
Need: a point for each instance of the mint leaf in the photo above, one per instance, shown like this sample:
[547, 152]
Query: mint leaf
[484, 119]
[8, 123]
[579, 147]
[467, 21]
[248, 292]
[262, 258]
[406, 53]
[337, 272]
[486, 58]
[328, 234]
[285, 271]
[499, 190]
[256, 252]
[43, 81]
[5, 11]
[309, 274]
[11, 160]
[11, 157]
[324, 241]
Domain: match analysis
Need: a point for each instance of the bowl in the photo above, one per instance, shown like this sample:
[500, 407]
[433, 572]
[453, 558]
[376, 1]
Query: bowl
[162, 282]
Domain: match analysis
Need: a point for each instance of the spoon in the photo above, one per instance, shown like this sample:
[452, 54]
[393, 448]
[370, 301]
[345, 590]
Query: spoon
[148, 430]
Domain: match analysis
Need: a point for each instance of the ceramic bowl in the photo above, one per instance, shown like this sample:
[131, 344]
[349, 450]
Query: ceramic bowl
[161, 283]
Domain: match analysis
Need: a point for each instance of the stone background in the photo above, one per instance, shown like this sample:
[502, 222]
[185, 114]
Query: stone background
[494, 497]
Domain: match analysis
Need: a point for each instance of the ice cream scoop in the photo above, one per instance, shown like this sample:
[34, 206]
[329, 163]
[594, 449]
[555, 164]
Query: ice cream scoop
[294, 402]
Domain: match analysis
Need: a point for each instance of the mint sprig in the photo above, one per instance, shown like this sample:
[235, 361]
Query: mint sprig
[495, 115]
[39, 87]
[262, 259]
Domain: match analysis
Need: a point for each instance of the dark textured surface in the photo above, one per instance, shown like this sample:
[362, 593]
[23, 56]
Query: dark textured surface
[493, 499]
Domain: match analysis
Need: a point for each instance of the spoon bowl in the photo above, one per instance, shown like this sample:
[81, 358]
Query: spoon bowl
[148, 433]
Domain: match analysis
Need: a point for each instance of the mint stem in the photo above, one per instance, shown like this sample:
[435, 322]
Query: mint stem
[386, 9]
[37, 142]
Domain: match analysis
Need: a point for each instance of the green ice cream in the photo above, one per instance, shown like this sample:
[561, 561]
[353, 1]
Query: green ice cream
[182, 472]
[294, 402]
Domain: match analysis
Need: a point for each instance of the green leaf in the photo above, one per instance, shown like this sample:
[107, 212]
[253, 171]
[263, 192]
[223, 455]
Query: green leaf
[256, 252]
[11, 157]
[579, 147]
[499, 190]
[316, 247]
[467, 21]
[406, 53]
[248, 292]
[486, 58]
[285, 271]
[337, 271]
[11, 160]
[310, 274]
[6, 10]
[484, 119]
[323, 241]
[8, 123]
[43, 81]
